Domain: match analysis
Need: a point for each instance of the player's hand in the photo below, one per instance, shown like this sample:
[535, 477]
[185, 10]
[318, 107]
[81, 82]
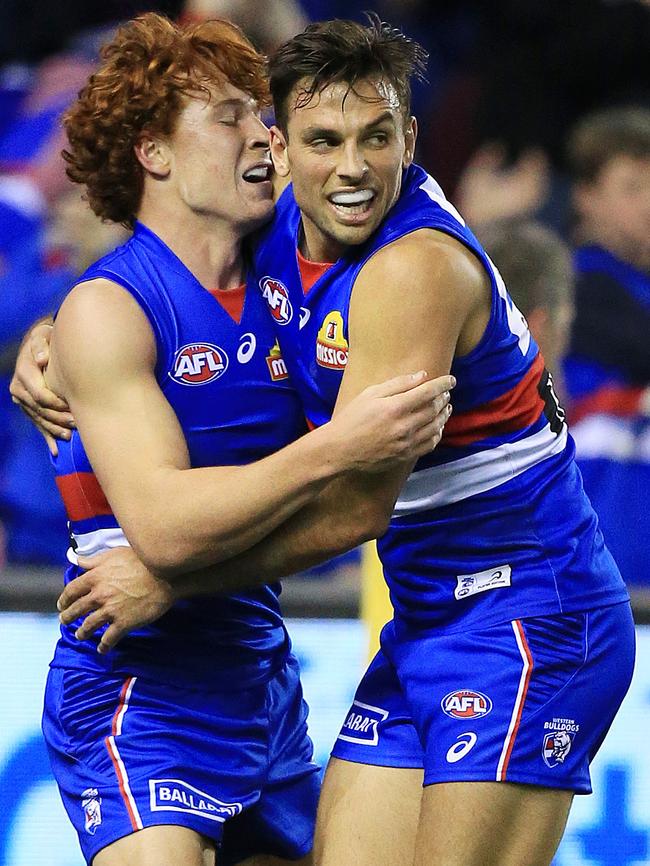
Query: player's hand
[115, 590]
[29, 390]
[393, 422]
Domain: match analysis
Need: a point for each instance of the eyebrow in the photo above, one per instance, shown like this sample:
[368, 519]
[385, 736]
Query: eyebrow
[318, 131]
[234, 102]
[387, 115]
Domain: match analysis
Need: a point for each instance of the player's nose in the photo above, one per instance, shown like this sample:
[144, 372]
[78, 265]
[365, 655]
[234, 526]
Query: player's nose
[351, 165]
[258, 133]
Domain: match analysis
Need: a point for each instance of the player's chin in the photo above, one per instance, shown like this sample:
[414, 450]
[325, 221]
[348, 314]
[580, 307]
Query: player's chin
[353, 235]
[258, 215]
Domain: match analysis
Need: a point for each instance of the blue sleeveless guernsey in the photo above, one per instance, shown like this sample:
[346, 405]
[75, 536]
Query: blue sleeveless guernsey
[494, 523]
[229, 388]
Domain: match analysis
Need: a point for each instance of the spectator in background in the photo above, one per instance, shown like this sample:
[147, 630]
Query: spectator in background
[267, 25]
[47, 237]
[535, 264]
[33, 30]
[35, 278]
[607, 370]
[533, 69]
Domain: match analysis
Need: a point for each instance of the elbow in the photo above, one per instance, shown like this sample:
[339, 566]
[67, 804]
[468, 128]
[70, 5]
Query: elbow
[377, 526]
[160, 561]
[163, 553]
[367, 523]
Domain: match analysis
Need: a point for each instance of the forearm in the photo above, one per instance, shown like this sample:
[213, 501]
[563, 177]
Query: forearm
[347, 513]
[189, 519]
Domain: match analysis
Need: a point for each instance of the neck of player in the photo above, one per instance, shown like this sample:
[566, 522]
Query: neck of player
[208, 247]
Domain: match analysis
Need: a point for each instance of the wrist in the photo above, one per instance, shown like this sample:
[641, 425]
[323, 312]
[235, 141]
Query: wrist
[329, 455]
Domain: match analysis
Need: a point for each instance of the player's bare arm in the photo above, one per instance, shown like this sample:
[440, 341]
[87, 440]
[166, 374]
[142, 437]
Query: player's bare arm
[447, 311]
[440, 309]
[174, 516]
[29, 390]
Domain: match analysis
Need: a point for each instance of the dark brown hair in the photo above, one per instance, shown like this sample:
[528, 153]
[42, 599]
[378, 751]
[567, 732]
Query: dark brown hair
[599, 137]
[145, 72]
[335, 51]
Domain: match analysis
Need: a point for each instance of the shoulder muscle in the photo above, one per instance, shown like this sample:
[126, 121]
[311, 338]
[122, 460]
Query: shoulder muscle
[100, 333]
[413, 301]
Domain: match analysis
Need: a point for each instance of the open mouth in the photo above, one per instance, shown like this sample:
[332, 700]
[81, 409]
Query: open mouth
[258, 173]
[355, 202]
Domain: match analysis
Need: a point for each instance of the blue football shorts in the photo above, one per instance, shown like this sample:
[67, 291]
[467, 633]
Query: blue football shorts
[526, 701]
[236, 766]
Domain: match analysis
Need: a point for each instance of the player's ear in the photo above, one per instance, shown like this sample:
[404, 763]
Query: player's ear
[279, 151]
[410, 137]
[153, 155]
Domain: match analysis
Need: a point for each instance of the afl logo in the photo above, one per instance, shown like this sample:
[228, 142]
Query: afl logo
[466, 704]
[199, 363]
[277, 298]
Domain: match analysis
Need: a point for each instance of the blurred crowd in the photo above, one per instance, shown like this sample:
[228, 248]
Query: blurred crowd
[535, 119]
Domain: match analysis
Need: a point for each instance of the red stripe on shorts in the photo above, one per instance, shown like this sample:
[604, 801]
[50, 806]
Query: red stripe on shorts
[118, 764]
[524, 681]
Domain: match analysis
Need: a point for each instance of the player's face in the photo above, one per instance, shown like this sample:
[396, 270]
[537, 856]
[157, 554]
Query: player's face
[617, 206]
[345, 151]
[219, 159]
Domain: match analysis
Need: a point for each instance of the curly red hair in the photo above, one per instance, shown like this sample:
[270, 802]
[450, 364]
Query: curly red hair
[145, 72]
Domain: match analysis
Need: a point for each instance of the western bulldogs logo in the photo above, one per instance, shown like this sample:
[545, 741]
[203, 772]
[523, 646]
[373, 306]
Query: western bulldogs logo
[199, 363]
[466, 704]
[277, 298]
[91, 803]
[557, 745]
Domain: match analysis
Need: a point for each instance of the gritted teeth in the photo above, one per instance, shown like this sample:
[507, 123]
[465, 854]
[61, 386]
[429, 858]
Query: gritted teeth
[258, 173]
[352, 198]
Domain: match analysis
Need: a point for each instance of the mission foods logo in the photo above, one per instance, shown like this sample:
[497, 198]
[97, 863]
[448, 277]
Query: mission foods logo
[331, 345]
[199, 363]
[466, 704]
[277, 300]
[276, 365]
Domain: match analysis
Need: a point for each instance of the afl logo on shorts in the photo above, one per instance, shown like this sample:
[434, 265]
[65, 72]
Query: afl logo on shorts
[277, 299]
[199, 363]
[466, 704]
